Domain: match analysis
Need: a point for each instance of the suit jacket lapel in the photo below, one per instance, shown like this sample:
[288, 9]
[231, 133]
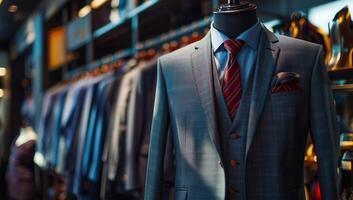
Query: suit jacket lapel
[267, 56]
[202, 71]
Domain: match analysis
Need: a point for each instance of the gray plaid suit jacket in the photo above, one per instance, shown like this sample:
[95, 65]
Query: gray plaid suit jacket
[278, 124]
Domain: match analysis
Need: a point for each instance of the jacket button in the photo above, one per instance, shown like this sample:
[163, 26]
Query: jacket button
[234, 136]
[233, 163]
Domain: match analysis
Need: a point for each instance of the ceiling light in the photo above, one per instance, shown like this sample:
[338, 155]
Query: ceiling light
[97, 3]
[3, 71]
[0, 1]
[12, 8]
[84, 11]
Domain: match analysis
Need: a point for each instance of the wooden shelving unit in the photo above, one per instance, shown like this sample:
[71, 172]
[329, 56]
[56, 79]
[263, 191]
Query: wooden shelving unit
[342, 74]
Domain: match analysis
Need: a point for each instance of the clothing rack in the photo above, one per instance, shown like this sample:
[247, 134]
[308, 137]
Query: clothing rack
[98, 63]
[151, 43]
[196, 26]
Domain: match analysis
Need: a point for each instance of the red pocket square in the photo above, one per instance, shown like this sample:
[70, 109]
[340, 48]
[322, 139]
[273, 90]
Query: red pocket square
[286, 87]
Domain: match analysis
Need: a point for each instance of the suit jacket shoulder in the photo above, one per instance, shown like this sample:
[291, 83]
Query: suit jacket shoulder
[298, 55]
[298, 46]
[179, 57]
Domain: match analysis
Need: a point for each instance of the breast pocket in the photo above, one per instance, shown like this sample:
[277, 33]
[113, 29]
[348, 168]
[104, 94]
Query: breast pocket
[285, 106]
[286, 96]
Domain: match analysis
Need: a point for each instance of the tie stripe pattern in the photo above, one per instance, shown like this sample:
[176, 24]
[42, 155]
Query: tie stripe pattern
[231, 80]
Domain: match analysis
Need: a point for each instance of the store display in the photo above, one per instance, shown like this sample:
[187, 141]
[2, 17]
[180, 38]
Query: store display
[298, 26]
[251, 156]
[163, 100]
[341, 34]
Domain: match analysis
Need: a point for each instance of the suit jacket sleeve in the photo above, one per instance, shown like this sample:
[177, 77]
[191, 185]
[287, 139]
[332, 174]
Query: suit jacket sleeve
[324, 129]
[159, 132]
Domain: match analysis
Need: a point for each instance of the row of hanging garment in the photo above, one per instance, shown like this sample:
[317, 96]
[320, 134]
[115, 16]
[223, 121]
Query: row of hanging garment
[94, 130]
[338, 44]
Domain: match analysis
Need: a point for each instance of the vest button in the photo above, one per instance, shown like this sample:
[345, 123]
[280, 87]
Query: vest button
[234, 136]
[233, 163]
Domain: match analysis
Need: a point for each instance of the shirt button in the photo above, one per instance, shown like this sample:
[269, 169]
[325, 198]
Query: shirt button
[233, 163]
[234, 136]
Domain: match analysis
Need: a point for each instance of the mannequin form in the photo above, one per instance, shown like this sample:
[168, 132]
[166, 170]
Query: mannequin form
[249, 157]
[235, 17]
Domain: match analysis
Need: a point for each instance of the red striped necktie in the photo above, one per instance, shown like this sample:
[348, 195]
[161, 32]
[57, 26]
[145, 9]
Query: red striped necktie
[231, 80]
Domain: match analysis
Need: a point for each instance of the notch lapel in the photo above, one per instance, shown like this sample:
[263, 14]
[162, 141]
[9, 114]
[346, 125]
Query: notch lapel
[201, 60]
[266, 61]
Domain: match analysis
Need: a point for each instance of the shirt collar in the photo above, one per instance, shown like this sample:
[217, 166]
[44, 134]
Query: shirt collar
[250, 37]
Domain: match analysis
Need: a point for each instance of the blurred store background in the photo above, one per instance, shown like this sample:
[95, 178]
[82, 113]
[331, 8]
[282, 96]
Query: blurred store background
[49, 45]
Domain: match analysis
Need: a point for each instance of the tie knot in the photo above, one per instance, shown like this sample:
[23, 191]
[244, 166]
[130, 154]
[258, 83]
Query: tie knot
[233, 46]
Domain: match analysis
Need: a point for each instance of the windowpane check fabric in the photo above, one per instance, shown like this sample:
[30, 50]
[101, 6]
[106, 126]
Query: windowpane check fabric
[231, 85]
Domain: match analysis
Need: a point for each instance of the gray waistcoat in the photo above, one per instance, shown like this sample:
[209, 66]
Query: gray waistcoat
[233, 149]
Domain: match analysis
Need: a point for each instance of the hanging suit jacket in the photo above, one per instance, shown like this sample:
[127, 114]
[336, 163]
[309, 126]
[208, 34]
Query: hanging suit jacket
[89, 102]
[47, 109]
[140, 111]
[277, 124]
[69, 126]
[49, 127]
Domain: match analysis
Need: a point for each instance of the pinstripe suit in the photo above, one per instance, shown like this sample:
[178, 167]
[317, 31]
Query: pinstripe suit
[277, 124]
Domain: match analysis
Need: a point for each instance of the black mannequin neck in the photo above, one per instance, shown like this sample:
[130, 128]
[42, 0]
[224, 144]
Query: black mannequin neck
[232, 24]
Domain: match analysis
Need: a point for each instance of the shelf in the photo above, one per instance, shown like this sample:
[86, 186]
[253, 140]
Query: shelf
[341, 74]
[174, 34]
[141, 46]
[342, 89]
[134, 12]
[96, 64]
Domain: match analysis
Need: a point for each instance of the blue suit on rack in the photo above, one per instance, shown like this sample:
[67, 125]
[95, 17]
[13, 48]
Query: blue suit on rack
[104, 109]
[55, 129]
[94, 138]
